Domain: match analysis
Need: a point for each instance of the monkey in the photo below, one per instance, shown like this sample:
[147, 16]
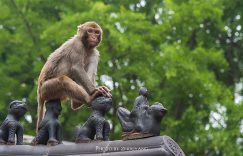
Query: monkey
[70, 71]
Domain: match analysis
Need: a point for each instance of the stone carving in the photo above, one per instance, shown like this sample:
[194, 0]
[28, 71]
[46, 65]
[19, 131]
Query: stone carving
[96, 127]
[171, 146]
[50, 130]
[11, 124]
[141, 100]
[143, 120]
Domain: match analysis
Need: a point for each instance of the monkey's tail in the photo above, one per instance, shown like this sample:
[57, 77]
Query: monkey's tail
[40, 110]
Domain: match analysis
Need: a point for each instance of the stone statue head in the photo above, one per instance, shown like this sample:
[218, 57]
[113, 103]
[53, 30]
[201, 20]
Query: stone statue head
[17, 108]
[54, 106]
[143, 91]
[102, 103]
[157, 110]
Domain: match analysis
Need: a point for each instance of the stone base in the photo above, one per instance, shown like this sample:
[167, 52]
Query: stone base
[153, 146]
[77, 141]
[132, 136]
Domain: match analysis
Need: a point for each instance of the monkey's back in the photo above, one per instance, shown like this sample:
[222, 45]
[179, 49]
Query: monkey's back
[58, 62]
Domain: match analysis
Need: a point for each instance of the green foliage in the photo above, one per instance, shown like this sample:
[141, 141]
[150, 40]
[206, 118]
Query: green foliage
[187, 53]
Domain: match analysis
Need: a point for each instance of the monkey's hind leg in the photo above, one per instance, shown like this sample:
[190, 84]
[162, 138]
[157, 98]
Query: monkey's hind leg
[63, 87]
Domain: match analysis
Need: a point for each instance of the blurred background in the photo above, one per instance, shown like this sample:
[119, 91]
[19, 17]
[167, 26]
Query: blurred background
[188, 53]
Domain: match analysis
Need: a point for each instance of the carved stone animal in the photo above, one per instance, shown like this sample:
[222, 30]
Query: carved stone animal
[11, 124]
[96, 127]
[148, 120]
[143, 119]
[50, 130]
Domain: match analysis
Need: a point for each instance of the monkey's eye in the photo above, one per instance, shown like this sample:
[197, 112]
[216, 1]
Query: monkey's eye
[91, 31]
[97, 32]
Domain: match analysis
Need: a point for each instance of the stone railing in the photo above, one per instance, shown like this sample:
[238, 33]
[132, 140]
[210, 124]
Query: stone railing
[160, 145]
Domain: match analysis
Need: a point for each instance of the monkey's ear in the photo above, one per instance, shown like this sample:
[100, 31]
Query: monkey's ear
[79, 27]
[80, 30]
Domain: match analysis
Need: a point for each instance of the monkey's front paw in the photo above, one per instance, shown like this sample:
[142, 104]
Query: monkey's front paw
[10, 142]
[103, 90]
[52, 142]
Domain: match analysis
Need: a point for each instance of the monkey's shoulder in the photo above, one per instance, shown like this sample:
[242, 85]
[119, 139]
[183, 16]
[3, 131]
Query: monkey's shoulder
[96, 52]
[66, 48]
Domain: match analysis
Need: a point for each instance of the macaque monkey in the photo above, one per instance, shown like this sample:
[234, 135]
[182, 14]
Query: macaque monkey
[70, 71]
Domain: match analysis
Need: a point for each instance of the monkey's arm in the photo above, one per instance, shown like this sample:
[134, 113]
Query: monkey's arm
[92, 70]
[81, 77]
[92, 66]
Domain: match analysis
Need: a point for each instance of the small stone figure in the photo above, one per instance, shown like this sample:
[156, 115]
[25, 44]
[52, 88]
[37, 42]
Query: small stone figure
[141, 100]
[11, 124]
[96, 125]
[50, 130]
[143, 120]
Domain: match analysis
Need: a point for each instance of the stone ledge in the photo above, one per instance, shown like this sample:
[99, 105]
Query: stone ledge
[160, 145]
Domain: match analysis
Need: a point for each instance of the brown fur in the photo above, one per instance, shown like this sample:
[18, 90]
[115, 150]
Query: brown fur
[70, 71]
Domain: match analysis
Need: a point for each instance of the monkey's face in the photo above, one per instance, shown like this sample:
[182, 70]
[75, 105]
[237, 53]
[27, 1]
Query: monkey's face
[91, 34]
[92, 37]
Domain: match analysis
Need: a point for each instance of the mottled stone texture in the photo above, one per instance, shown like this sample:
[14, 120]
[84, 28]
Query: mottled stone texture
[96, 127]
[50, 130]
[11, 124]
[143, 120]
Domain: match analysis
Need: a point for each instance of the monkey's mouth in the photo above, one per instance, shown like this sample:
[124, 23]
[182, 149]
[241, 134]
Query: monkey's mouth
[93, 42]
